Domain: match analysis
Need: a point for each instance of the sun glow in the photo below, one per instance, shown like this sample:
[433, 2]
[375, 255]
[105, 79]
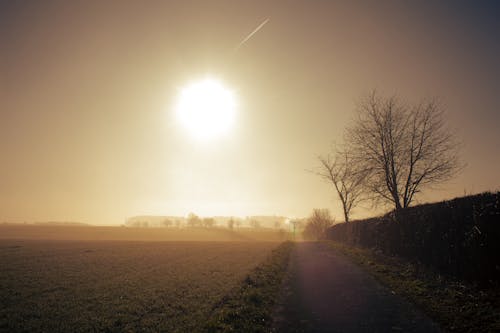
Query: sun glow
[206, 109]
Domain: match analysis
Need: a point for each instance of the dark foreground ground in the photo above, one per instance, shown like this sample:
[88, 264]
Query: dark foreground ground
[119, 286]
[325, 292]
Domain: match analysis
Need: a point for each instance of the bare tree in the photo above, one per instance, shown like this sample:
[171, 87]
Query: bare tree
[193, 220]
[208, 222]
[167, 222]
[346, 178]
[317, 224]
[402, 148]
[254, 223]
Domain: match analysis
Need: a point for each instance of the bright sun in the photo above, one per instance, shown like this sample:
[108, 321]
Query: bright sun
[206, 109]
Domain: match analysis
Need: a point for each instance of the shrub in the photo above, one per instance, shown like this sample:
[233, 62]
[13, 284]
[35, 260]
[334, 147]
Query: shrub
[317, 224]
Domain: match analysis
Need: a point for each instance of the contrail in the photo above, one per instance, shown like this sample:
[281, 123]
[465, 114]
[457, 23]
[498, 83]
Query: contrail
[251, 34]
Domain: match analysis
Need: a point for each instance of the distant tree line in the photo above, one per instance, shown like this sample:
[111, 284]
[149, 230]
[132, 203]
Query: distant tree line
[192, 220]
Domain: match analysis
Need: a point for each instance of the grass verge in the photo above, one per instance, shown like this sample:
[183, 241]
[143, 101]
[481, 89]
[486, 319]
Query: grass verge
[456, 306]
[249, 307]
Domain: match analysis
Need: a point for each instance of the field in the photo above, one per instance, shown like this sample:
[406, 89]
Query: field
[87, 232]
[122, 286]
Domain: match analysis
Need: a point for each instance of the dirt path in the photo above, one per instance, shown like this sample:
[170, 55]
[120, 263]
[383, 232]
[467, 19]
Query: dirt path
[325, 292]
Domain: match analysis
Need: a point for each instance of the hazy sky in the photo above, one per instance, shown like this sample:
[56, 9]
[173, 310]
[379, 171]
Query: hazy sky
[87, 88]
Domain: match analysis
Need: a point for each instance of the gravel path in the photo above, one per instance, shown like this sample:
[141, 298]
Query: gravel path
[325, 292]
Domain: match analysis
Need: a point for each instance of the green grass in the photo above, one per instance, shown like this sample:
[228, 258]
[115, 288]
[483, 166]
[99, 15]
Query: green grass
[456, 306]
[249, 307]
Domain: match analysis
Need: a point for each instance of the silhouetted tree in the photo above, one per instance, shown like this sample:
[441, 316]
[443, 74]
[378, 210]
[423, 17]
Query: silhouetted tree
[317, 224]
[208, 222]
[193, 220]
[254, 223]
[167, 223]
[347, 179]
[230, 223]
[402, 148]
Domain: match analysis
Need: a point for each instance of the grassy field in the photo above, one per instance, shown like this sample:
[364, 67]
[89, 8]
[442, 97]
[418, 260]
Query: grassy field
[119, 286]
[88, 232]
[251, 306]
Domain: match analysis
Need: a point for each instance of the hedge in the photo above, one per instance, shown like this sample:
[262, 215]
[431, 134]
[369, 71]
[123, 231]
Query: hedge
[459, 237]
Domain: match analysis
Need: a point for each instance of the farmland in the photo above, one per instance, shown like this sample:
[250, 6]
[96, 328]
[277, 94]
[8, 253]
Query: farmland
[88, 232]
[81, 286]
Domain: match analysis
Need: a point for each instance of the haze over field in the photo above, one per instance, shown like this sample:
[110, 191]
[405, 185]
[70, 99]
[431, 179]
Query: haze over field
[90, 95]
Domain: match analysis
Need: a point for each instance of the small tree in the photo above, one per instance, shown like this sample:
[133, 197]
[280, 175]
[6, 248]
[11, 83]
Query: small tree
[230, 224]
[341, 171]
[402, 148]
[254, 223]
[208, 222]
[193, 220]
[317, 224]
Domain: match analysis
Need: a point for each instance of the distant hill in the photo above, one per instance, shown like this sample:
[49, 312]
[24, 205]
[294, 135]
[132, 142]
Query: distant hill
[51, 223]
[62, 223]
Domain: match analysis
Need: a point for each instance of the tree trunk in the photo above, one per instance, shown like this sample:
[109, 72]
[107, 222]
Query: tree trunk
[398, 205]
[346, 213]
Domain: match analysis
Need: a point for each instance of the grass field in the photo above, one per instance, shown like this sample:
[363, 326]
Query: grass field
[122, 286]
[88, 232]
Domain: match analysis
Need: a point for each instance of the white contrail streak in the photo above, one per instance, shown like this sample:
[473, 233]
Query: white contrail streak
[251, 34]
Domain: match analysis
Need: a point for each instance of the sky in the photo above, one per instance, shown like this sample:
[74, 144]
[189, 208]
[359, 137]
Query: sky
[88, 90]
